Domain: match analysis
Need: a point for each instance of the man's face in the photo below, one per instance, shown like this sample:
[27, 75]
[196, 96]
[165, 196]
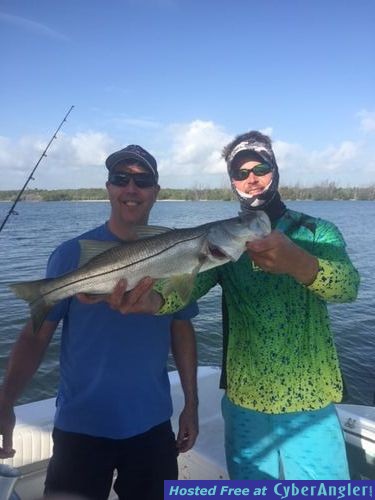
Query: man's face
[252, 184]
[131, 204]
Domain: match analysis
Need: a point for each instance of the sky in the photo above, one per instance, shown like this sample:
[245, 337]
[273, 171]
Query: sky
[182, 78]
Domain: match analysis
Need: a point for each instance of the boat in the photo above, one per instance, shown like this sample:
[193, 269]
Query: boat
[23, 475]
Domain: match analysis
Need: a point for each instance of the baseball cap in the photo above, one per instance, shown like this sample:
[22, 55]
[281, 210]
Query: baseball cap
[133, 152]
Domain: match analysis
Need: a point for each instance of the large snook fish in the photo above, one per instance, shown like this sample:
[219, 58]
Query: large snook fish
[175, 255]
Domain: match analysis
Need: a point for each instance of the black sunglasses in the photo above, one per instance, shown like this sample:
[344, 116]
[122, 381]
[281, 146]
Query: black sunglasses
[141, 180]
[258, 170]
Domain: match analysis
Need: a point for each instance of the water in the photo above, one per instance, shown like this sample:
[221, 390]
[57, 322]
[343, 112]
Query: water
[27, 240]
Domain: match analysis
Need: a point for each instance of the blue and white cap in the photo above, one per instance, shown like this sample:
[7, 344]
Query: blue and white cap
[133, 152]
[256, 147]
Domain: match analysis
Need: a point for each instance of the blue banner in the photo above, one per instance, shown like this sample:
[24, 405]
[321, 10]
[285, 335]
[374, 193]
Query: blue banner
[278, 490]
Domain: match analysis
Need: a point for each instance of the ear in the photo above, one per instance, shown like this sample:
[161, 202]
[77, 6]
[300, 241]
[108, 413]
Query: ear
[157, 190]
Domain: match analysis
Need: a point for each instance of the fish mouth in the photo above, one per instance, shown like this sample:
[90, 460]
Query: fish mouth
[217, 252]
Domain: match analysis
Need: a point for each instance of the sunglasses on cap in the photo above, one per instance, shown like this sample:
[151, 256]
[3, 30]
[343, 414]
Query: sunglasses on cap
[141, 180]
[258, 170]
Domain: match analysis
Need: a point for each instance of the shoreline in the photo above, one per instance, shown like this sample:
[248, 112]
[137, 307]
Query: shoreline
[181, 201]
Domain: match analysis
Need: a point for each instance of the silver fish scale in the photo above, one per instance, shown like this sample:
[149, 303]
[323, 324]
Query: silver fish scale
[173, 253]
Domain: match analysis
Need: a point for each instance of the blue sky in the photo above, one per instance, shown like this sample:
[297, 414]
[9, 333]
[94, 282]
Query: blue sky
[182, 78]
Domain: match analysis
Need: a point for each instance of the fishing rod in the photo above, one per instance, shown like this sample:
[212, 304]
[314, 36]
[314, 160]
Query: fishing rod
[12, 211]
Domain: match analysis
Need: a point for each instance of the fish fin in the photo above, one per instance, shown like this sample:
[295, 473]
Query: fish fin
[30, 292]
[182, 284]
[148, 231]
[92, 248]
[27, 290]
[39, 313]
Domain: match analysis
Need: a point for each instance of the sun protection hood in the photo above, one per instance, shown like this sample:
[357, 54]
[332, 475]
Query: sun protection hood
[264, 152]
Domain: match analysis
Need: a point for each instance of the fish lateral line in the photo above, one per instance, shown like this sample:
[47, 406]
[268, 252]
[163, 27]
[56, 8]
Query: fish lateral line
[106, 273]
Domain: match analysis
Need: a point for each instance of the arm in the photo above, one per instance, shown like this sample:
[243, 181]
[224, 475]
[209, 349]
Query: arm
[24, 360]
[336, 281]
[184, 351]
[325, 269]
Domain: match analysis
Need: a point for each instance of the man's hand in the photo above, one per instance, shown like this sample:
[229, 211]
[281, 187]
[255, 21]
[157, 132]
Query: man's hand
[188, 429]
[141, 299]
[7, 423]
[277, 254]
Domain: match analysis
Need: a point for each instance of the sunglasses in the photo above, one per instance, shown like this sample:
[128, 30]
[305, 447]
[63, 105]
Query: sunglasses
[141, 180]
[258, 170]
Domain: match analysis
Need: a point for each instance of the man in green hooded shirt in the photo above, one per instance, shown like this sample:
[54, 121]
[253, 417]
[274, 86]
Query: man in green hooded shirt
[280, 367]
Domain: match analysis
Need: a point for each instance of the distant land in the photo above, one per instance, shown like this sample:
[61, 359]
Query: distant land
[328, 191]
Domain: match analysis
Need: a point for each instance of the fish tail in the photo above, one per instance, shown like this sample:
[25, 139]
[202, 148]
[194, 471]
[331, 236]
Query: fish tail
[30, 291]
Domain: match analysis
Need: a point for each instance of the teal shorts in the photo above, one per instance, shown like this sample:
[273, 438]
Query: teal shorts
[302, 445]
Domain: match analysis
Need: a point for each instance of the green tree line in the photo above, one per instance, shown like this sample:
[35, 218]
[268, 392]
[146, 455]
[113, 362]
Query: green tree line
[328, 191]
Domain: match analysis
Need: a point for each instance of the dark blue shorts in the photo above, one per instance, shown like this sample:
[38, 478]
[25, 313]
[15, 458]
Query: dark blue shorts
[84, 465]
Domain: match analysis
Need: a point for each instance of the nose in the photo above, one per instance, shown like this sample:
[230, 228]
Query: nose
[252, 177]
[131, 187]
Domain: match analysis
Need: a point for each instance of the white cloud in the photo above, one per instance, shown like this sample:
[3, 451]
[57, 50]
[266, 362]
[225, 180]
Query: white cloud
[333, 163]
[87, 148]
[142, 123]
[6, 157]
[71, 160]
[267, 131]
[341, 155]
[288, 154]
[188, 154]
[195, 148]
[32, 26]
[367, 121]
[194, 157]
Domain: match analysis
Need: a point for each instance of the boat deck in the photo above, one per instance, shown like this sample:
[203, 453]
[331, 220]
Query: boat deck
[32, 437]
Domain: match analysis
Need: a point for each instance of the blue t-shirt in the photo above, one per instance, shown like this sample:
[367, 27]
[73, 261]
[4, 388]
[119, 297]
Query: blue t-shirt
[113, 367]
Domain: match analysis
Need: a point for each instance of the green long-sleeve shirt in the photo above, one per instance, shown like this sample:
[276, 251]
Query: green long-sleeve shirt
[279, 354]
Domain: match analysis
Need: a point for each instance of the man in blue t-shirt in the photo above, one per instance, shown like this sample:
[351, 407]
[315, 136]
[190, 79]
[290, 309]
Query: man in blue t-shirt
[113, 405]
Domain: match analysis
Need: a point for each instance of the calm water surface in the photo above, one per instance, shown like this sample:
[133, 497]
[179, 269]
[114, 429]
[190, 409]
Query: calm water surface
[28, 239]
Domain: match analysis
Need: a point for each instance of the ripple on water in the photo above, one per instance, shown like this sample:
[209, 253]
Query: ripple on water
[27, 241]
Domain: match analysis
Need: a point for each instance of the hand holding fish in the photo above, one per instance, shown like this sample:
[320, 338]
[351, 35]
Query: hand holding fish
[277, 254]
[141, 299]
